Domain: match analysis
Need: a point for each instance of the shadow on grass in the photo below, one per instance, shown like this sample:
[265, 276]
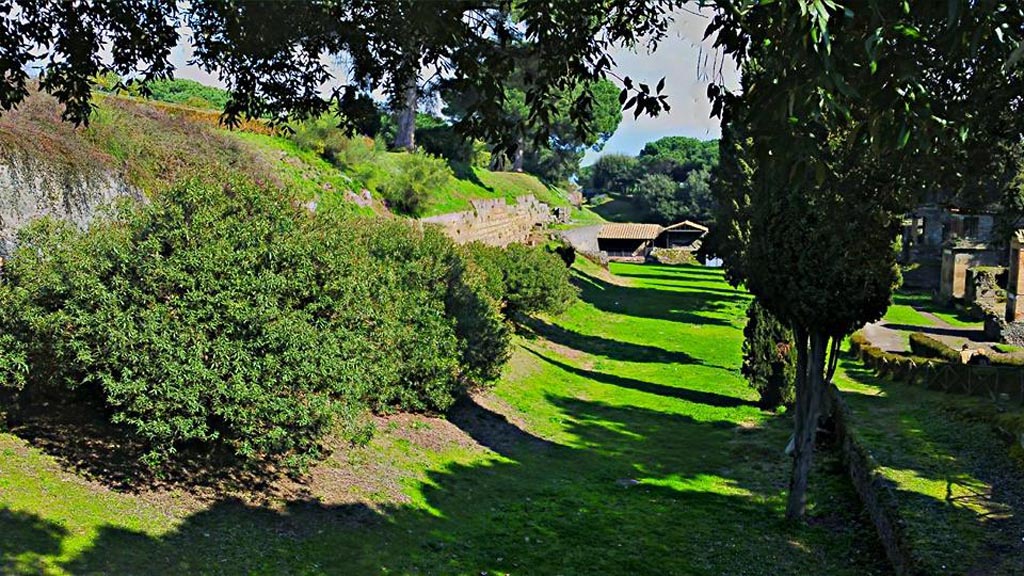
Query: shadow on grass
[959, 492]
[75, 431]
[620, 209]
[607, 347]
[924, 302]
[463, 171]
[613, 500]
[24, 538]
[687, 394]
[693, 307]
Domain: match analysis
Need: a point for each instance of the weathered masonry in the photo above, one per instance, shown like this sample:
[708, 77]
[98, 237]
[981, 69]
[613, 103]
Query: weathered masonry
[494, 221]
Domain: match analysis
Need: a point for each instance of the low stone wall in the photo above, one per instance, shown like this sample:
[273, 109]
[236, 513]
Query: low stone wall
[494, 221]
[876, 492]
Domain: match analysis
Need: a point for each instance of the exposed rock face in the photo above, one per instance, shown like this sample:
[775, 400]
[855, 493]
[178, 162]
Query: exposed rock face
[32, 186]
[494, 222]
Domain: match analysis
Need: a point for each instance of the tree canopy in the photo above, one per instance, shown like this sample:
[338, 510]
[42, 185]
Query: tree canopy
[669, 180]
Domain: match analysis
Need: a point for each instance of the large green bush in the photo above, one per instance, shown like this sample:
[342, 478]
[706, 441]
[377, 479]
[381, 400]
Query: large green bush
[323, 137]
[526, 280]
[230, 316]
[414, 179]
[768, 358]
[536, 281]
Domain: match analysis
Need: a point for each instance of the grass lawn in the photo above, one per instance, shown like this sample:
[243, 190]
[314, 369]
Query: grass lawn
[477, 183]
[621, 441]
[956, 486]
[907, 307]
[903, 312]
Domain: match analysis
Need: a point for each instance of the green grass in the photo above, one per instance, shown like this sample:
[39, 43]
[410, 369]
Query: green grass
[477, 183]
[956, 487]
[903, 313]
[621, 441]
[907, 307]
[620, 209]
[309, 175]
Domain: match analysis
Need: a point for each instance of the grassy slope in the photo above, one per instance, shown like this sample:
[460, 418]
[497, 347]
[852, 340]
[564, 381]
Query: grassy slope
[620, 209]
[622, 441]
[156, 144]
[956, 486]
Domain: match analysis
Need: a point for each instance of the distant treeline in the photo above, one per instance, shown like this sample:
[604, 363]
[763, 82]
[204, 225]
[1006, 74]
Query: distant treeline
[668, 180]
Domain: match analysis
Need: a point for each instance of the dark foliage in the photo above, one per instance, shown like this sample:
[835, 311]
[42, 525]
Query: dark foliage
[669, 180]
[526, 280]
[768, 357]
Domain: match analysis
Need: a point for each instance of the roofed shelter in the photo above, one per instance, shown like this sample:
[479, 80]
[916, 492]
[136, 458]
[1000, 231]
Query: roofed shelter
[686, 235]
[630, 241]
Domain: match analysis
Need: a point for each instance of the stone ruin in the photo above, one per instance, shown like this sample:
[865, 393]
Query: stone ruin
[495, 221]
[1004, 312]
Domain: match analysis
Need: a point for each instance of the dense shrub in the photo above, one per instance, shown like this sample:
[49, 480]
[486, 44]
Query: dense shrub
[415, 178]
[490, 261]
[484, 335]
[323, 137]
[232, 317]
[563, 250]
[535, 281]
[526, 280]
[929, 347]
[188, 93]
[768, 358]
[444, 142]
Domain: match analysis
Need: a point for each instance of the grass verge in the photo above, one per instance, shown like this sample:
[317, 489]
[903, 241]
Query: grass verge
[956, 488]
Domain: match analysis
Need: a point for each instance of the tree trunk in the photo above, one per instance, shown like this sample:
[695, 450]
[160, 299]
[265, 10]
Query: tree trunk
[810, 384]
[517, 156]
[405, 133]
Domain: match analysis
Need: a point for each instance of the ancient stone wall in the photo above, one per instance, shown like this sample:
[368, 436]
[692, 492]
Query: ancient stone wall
[955, 262]
[32, 186]
[875, 491]
[494, 221]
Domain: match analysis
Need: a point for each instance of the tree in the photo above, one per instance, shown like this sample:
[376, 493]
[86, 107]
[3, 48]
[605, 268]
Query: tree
[677, 156]
[768, 362]
[552, 153]
[841, 120]
[685, 161]
[610, 173]
[657, 195]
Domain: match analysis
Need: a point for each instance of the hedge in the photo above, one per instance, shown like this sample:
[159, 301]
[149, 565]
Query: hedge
[929, 347]
[936, 373]
[924, 345]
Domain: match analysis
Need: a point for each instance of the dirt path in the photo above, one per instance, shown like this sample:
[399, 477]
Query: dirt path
[896, 337]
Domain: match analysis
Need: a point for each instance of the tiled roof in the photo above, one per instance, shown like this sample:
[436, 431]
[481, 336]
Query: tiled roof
[688, 224]
[630, 231]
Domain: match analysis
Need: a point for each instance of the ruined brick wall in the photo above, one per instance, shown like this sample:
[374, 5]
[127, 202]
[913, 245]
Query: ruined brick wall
[494, 221]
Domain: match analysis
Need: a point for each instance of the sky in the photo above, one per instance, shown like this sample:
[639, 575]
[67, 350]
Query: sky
[685, 83]
[676, 59]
